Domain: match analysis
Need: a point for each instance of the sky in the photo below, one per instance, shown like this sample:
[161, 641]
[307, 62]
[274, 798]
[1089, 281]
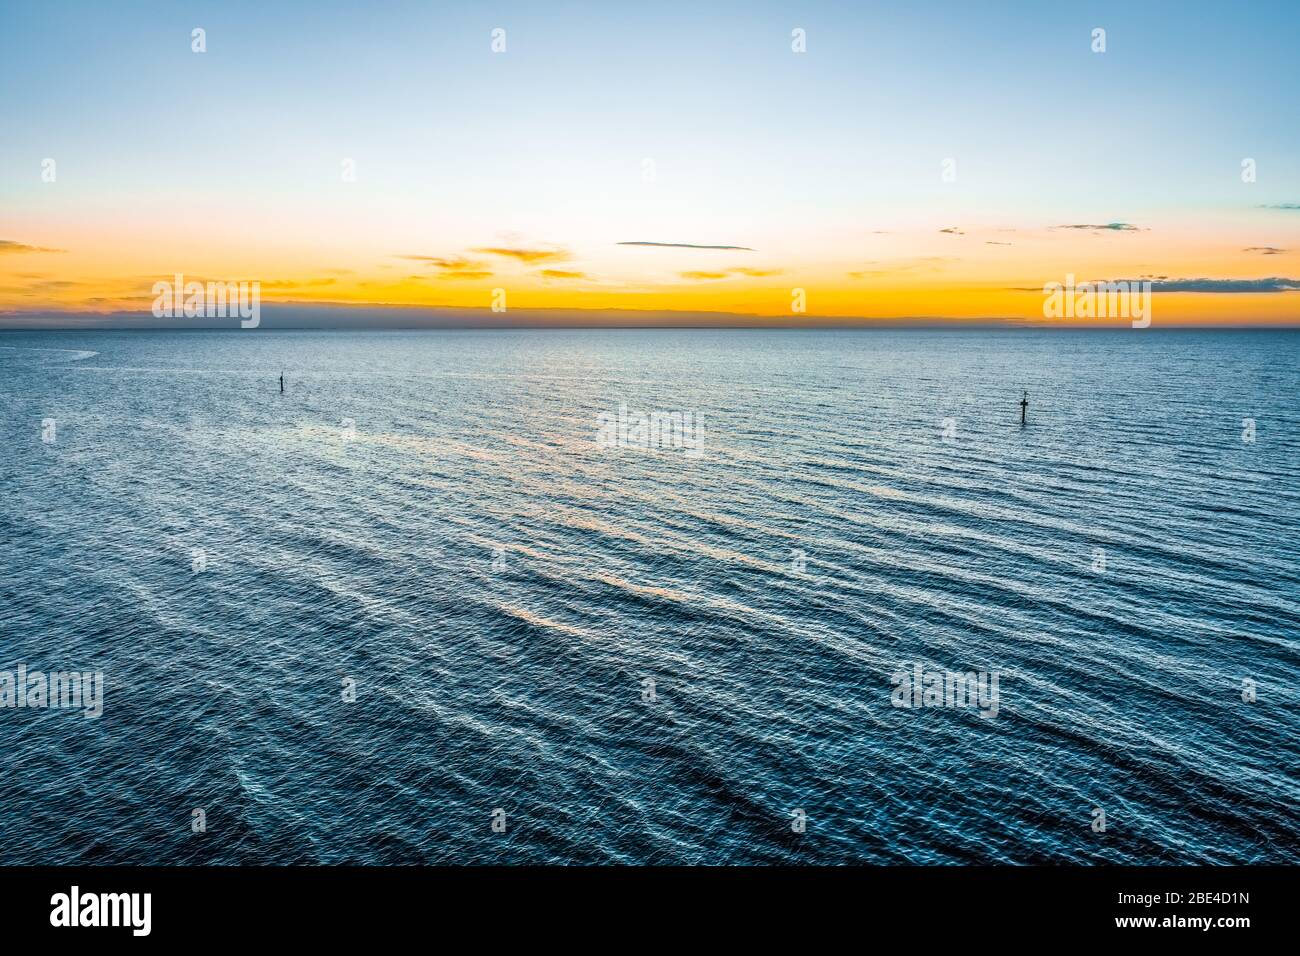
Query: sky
[917, 162]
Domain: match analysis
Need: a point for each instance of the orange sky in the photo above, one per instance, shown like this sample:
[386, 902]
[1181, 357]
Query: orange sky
[959, 272]
[898, 165]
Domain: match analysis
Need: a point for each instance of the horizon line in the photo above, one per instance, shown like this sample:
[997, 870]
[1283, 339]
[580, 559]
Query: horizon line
[323, 316]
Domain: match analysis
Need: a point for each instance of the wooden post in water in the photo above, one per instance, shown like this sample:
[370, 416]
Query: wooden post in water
[1024, 406]
[281, 383]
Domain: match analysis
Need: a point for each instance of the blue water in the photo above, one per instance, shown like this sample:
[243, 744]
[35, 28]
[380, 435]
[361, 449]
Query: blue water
[500, 587]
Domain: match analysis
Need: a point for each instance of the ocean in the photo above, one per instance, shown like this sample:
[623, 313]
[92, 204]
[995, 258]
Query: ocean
[652, 596]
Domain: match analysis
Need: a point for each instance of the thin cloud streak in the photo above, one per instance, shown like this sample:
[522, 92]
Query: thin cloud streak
[684, 245]
[1104, 227]
[701, 276]
[454, 267]
[1214, 286]
[12, 247]
[525, 255]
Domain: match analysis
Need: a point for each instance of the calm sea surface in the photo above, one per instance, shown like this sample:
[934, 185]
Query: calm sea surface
[618, 648]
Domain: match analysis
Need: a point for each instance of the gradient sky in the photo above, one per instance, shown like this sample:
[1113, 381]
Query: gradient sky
[526, 170]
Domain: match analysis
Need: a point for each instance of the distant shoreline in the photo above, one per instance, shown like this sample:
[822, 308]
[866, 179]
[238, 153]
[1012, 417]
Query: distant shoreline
[274, 323]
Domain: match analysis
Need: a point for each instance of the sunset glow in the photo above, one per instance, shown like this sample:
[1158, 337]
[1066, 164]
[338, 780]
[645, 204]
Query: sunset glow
[435, 171]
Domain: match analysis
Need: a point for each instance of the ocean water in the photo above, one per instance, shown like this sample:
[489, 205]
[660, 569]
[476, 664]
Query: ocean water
[651, 656]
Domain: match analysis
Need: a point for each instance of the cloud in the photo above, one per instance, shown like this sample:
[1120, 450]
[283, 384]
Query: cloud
[990, 242]
[44, 286]
[462, 267]
[684, 245]
[454, 267]
[953, 231]
[1274, 284]
[728, 273]
[294, 283]
[1265, 250]
[1107, 227]
[444, 262]
[8, 245]
[562, 274]
[1282, 205]
[525, 255]
[1161, 284]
